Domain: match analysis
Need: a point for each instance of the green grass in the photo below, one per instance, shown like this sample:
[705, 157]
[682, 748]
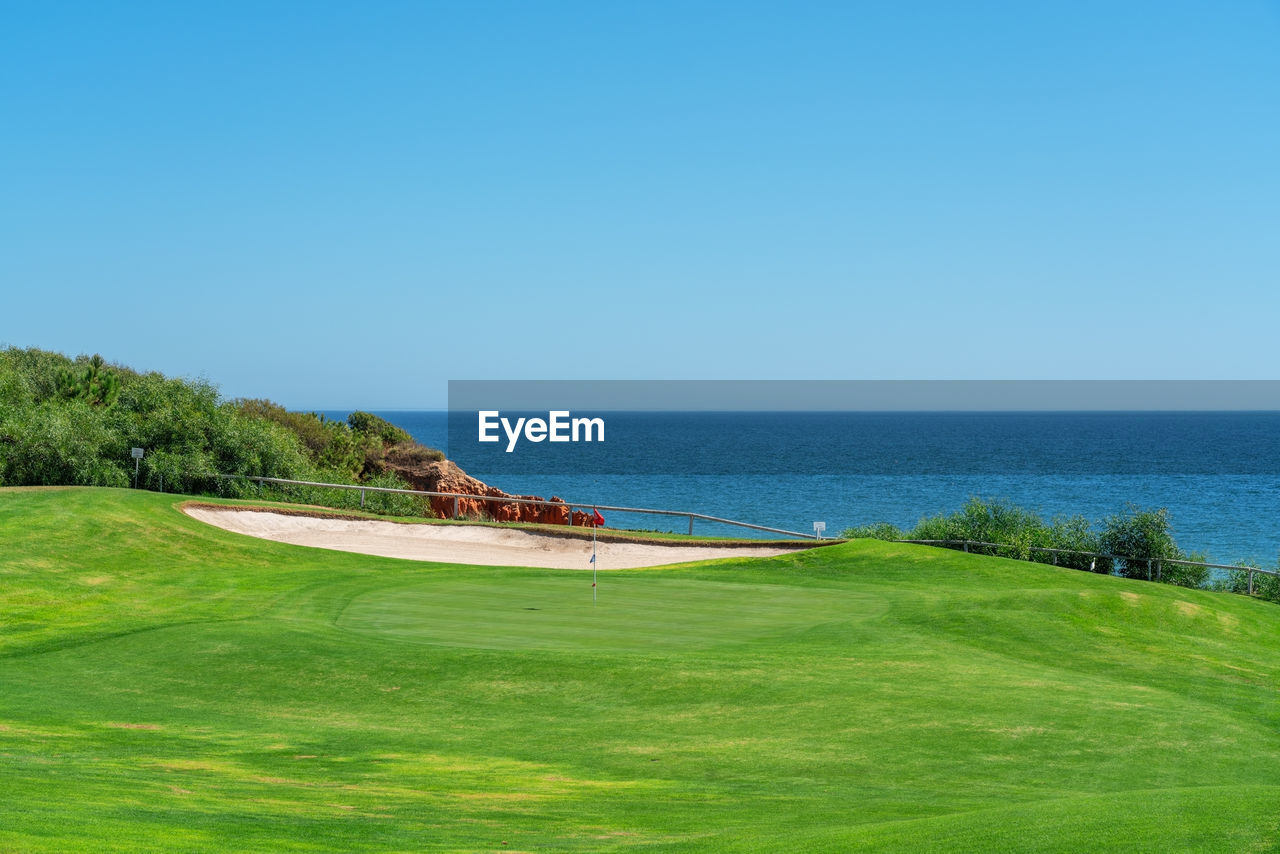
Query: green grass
[169, 686]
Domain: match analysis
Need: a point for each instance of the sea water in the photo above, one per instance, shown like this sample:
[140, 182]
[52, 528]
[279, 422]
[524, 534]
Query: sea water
[1217, 473]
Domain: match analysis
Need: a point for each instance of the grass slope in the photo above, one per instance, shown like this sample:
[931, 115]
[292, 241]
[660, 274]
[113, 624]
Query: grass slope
[169, 686]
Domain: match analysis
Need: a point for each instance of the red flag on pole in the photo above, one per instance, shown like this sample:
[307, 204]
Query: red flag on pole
[596, 519]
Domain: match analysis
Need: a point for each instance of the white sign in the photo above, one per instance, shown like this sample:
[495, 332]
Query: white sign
[819, 528]
[137, 453]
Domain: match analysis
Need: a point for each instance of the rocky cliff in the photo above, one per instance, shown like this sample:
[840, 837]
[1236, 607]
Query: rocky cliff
[445, 476]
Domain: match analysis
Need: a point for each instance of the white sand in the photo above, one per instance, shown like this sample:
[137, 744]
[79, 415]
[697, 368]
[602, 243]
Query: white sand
[468, 544]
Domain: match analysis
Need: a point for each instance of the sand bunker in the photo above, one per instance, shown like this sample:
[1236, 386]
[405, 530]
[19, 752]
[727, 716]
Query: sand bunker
[469, 544]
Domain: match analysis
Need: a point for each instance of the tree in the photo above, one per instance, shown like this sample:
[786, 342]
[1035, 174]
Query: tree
[1145, 539]
[93, 385]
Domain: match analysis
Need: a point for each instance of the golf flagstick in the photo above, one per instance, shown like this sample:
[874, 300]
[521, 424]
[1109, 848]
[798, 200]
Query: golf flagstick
[596, 521]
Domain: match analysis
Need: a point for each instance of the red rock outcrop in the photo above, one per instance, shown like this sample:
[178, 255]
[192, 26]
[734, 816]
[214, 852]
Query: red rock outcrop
[445, 476]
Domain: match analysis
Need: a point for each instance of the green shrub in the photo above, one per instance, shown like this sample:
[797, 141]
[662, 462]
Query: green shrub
[1265, 586]
[38, 369]
[413, 454]
[389, 504]
[307, 426]
[65, 421]
[14, 389]
[1144, 538]
[392, 504]
[939, 528]
[1183, 575]
[93, 383]
[56, 429]
[176, 471]
[253, 446]
[1020, 533]
[1237, 581]
[60, 443]
[1073, 534]
[875, 531]
[1015, 532]
[372, 425]
[333, 445]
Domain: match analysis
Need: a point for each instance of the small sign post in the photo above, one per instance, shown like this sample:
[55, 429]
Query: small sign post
[818, 529]
[137, 461]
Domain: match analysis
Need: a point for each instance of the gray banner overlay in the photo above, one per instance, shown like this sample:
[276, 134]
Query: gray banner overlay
[859, 427]
[868, 395]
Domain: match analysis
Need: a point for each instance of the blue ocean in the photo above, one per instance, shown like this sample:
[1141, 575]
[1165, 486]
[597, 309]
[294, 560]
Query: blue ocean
[1218, 473]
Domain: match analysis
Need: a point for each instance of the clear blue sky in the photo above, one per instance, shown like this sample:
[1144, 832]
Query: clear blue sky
[346, 205]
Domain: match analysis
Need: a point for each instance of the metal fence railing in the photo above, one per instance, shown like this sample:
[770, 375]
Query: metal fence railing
[1151, 563]
[582, 505]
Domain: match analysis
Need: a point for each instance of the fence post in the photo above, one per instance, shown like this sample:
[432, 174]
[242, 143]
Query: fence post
[1157, 570]
[1148, 569]
[691, 524]
[570, 519]
[1251, 582]
[965, 545]
[455, 507]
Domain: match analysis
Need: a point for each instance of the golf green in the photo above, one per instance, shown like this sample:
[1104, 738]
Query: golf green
[169, 686]
[639, 612]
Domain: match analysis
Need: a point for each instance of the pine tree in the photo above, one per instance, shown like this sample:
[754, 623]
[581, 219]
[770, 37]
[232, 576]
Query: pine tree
[95, 386]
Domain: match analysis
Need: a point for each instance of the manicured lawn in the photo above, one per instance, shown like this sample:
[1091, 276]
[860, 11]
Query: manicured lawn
[169, 686]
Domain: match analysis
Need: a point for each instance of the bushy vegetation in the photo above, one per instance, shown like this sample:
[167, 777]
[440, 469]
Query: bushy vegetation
[92, 384]
[1143, 539]
[369, 424]
[1237, 581]
[385, 503]
[73, 421]
[333, 445]
[874, 531]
